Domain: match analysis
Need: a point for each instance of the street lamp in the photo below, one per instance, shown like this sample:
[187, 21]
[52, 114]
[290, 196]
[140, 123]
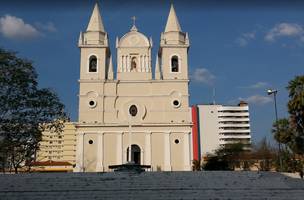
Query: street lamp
[274, 92]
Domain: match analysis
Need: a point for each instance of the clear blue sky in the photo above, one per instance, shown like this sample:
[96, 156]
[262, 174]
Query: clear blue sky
[241, 49]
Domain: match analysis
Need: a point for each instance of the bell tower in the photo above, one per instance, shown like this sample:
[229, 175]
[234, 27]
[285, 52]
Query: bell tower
[95, 68]
[172, 60]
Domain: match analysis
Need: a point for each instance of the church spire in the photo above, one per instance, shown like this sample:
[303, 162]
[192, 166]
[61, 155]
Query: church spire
[172, 21]
[157, 69]
[110, 71]
[95, 23]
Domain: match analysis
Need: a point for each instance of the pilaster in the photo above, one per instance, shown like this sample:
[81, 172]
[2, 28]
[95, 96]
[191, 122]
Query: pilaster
[79, 153]
[167, 152]
[148, 148]
[119, 142]
[100, 150]
[187, 161]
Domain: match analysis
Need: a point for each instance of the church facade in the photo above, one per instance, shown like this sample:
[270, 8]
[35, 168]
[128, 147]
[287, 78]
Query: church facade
[142, 108]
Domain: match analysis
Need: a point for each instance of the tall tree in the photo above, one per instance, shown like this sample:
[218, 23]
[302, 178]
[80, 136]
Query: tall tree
[227, 157]
[296, 111]
[25, 110]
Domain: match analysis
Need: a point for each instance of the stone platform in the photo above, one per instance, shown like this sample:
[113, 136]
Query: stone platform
[151, 185]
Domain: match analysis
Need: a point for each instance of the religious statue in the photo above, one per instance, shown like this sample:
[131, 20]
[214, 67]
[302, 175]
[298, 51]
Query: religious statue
[133, 64]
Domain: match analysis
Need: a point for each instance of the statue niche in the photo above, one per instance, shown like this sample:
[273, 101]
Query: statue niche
[133, 64]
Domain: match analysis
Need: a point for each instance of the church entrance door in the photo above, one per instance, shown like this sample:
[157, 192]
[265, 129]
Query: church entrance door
[135, 154]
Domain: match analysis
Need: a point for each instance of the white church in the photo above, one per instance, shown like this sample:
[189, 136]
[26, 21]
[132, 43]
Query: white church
[142, 108]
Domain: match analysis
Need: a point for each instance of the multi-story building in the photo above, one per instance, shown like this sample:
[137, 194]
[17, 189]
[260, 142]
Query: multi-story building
[218, 125]
[58, 146]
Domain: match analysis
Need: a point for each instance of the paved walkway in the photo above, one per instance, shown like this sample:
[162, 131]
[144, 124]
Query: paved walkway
[151, 185]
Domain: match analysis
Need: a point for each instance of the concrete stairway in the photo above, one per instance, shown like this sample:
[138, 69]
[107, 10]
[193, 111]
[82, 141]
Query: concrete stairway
[152, 185]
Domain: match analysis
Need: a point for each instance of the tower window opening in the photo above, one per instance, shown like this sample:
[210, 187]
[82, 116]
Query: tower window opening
[174, 64]
[93, 64]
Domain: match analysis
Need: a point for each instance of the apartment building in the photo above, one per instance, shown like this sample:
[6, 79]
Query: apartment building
[58, 147]
[219, 125]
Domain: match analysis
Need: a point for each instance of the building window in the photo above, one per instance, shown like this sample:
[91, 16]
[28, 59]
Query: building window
[92, 104]
[93, 64]
[174, 64]
[176, 103]
[133, 110]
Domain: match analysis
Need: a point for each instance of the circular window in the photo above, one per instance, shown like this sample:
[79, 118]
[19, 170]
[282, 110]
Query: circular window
[176, 141]
[92, 103]
[90, 141]
[176, 103]
[133, 110]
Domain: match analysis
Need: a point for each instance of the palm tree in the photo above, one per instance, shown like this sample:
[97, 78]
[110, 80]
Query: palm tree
[296, 110]
[282, 131]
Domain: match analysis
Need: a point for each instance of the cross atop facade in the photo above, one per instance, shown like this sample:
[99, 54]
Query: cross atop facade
[134, 20]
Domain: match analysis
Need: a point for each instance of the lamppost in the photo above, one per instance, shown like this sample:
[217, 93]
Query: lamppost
[274, 92]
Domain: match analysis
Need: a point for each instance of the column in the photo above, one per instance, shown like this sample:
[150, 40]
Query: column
[79, 153]
[142, 65]
[187, 161]
[148, 148]
[100, 150]
[167, 152]
[121, 63]
[119, 149]
[147, 64]
[128, 64]
[124, 68]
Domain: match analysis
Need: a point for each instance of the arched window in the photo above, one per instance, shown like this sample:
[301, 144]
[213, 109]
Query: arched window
[93, 64]
[174, 64]
[133, 63]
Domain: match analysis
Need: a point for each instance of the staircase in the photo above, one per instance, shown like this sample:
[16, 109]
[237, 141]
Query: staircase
[152, 185]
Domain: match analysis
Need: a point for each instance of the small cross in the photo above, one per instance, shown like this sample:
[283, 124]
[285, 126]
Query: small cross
[134, 19]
